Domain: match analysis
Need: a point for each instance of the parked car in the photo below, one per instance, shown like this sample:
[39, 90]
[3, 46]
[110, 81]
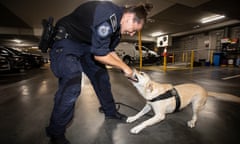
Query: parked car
[4, 64]
[21, 60]
[12, 61]
[130, 54]
[150, 56]
[31, 60]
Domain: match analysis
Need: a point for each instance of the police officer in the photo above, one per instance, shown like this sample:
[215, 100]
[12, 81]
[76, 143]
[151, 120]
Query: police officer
[84, 41]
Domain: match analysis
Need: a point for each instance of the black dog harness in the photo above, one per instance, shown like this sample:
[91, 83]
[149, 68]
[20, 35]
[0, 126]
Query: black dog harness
[169, 94]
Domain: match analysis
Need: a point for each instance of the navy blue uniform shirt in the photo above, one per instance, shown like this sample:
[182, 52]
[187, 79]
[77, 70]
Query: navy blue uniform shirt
[96, 23]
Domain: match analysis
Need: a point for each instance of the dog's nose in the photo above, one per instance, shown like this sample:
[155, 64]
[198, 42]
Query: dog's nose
[134, 78]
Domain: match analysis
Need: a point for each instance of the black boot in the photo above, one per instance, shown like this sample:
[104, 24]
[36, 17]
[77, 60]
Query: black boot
[56, 139]
[117, 116]
[59, 140]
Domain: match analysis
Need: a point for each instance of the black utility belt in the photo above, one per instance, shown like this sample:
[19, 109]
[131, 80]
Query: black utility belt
[61, 33]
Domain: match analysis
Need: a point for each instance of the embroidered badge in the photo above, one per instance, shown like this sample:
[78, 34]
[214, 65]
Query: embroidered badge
[113, 20]
[103, 30]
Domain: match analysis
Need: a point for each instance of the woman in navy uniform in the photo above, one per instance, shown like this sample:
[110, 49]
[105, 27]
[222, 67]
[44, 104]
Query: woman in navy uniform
[84, 41]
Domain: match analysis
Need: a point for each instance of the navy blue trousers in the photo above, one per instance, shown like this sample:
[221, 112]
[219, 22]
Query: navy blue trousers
[68, 60]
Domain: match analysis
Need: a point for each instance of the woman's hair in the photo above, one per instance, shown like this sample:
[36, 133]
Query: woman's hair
[140, 10]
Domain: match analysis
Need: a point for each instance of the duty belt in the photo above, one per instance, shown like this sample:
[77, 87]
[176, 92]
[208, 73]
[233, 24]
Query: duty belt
[61, 33]
[169, 94]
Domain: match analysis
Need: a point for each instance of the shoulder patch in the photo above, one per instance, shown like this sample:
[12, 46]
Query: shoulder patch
[104, 29]
[113, 20]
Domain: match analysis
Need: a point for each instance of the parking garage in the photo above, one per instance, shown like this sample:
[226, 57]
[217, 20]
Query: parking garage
[209, 58]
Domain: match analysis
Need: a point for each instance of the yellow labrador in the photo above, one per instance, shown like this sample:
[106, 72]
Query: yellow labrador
[166, 98]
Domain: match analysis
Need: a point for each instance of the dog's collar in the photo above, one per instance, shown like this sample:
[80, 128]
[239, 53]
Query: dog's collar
[169, 94]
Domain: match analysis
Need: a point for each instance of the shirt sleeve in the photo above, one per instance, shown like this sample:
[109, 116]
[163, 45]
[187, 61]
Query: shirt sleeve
[104, 26]
[101, 38]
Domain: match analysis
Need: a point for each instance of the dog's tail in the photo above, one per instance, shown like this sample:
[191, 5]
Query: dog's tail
[224, 96]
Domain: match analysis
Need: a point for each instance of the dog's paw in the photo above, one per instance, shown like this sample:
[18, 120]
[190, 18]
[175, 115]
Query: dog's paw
[136, 129]
[191, 123]
[130, 119]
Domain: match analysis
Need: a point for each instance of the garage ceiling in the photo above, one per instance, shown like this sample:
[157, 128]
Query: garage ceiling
[175, 17]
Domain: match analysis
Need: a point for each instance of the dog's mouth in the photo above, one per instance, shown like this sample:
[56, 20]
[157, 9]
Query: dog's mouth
[134, 78]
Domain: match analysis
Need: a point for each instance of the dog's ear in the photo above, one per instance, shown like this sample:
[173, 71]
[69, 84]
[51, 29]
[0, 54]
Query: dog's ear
[149, 88]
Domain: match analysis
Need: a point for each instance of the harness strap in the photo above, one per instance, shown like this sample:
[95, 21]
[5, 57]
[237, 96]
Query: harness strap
[166, 95]
[178, 101]
[169, 94]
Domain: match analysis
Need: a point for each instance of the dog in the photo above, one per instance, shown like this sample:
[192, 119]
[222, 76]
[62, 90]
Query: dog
[166, 98]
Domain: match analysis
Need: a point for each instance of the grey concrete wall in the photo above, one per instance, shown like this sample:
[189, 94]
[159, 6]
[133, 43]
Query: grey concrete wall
[203, 43]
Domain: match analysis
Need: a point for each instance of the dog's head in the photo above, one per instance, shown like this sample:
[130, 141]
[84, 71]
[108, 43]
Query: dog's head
[147, 87]
[140, 79]
[143, 83]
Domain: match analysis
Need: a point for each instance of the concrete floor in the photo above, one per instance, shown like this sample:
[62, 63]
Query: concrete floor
[26, 101]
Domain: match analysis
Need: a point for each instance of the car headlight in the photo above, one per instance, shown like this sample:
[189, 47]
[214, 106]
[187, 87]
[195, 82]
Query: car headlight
[16, 59]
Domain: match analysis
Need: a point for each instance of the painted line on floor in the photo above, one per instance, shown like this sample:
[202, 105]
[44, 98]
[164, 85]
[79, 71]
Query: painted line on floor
[230, 77]
[160, 68]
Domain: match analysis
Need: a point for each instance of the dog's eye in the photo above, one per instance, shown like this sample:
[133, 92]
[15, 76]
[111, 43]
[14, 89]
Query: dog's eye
[141, 73]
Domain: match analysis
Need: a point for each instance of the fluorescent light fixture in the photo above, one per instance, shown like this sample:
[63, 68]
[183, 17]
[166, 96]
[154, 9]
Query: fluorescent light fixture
[17, 41]
[196, 26]
[212, 18]
[156, 34]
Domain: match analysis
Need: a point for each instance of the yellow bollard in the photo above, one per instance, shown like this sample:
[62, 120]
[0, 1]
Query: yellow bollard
[140, 49]
[165, 59]
[186, 57]
[165, 63]
[173, 58]
[192, 59]
[183, 57]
